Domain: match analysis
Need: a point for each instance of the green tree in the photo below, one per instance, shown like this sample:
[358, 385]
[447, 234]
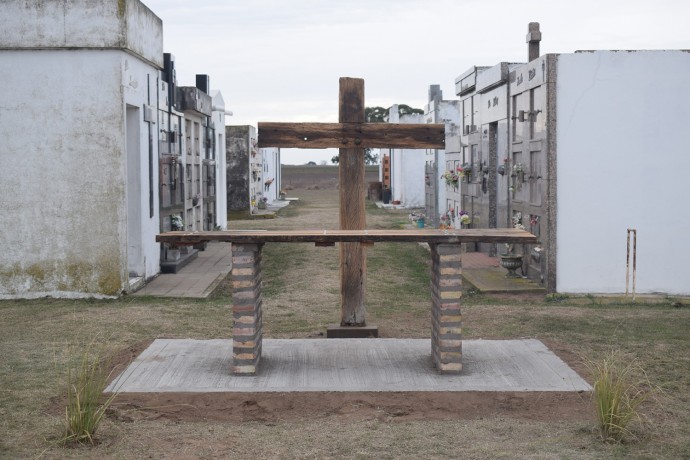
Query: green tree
[369, 158]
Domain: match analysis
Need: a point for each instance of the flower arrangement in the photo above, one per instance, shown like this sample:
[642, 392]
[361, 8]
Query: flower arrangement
[416, 216]
[517, 223]
[465, 218]
[451, 178]
[518, 168]
[177, 223]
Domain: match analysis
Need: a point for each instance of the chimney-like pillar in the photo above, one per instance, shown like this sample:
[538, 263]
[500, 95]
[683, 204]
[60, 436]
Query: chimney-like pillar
[533, 38]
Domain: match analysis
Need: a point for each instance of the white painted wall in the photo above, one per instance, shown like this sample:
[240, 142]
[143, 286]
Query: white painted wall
[83, 24]
[623, 162]
[139, 84]
[448, 113]
[218, 118]
[271, 170]
[66, 183]
[407, 167]
[62, 185]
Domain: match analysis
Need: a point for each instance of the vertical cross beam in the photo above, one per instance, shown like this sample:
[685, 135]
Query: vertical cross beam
[352, 212]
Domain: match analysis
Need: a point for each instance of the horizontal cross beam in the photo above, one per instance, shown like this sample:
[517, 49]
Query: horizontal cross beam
[351, 135]
[479, 235]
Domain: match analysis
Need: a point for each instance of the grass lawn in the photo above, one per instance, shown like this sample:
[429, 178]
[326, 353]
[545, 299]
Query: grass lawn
[301, 295]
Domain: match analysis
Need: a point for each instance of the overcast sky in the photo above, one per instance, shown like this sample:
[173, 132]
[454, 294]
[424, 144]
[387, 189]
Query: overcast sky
[280, 60]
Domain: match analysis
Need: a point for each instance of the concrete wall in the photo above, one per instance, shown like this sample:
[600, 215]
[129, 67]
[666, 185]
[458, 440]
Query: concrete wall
[448, 113]
[122, 24]
[139, 86]
[218, 118]
[63, 176]
[407, 167]
[271, 168]
[622, 143]
[76, 187]
[237, 141]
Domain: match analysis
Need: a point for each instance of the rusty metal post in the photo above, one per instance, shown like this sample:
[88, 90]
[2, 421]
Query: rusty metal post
[627, 264]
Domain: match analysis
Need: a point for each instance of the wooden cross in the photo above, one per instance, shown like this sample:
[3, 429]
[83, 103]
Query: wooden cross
[351, 135]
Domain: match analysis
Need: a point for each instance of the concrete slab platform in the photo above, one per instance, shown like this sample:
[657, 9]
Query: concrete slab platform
[300, 365]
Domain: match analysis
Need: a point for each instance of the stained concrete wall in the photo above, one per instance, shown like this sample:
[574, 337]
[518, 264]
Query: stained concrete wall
[622, 141]
[102, 24]
[62, 187]
[74, 86]
[237, 141]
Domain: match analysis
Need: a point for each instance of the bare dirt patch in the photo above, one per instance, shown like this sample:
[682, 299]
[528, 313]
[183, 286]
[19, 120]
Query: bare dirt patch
[271, 407]
[353, 406]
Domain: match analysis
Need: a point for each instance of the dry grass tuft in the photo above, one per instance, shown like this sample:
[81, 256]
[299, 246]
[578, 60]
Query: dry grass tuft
[87, 380]
[620, 388]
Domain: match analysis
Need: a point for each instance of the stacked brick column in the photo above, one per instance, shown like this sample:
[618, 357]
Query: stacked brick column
[246, 308]
[446, 319]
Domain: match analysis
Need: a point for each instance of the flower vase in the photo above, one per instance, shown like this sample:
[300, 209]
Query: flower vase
[511, 262]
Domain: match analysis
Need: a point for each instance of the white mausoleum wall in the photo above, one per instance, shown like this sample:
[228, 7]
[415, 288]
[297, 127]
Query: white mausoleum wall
[271, 159]
[407, 167]
[139, 82]
[127, 24]
[63, 180]
[218, 118]
[622, 162]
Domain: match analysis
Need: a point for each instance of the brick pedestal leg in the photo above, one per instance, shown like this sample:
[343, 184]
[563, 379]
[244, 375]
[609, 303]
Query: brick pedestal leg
[246, 308]
[446, 319]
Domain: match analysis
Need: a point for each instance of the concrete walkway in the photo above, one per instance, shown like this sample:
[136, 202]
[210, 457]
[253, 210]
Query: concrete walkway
[486, 274]
[298, 365]
[198, 279]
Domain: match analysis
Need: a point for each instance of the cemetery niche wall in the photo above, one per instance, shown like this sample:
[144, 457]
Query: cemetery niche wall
[577, 148]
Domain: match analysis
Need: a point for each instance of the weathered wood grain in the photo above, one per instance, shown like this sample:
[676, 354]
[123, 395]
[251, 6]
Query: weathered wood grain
[353, 257]
[350, 135]
[433, 236]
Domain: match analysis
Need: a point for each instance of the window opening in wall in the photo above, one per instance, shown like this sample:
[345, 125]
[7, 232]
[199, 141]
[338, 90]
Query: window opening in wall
[531, 115]
[188, 171]
[188, 136]
[534, 174]
[474, 160]
[517, 175]
[534, 227]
